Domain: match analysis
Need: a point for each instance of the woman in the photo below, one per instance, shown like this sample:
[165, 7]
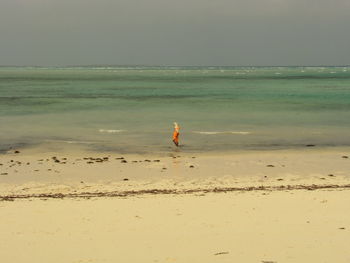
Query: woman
[176, 134]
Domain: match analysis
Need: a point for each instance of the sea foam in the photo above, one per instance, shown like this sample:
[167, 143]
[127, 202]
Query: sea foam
[222, 132]
[110, 131]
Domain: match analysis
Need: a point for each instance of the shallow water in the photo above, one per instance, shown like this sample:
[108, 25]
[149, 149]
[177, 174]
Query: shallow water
[131, 109]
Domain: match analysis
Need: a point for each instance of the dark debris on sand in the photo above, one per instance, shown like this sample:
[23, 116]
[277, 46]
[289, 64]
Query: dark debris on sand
[221, 253]
[174, 191]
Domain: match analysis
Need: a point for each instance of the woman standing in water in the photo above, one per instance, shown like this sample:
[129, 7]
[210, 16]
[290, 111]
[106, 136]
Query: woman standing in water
[176, 134]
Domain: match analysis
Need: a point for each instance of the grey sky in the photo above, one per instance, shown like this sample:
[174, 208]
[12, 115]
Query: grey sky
[175, 32]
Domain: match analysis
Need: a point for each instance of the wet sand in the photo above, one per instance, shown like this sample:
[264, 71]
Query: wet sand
[281, 206]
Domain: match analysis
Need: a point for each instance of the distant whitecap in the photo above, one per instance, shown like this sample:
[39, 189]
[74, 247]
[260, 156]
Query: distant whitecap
[110, 131]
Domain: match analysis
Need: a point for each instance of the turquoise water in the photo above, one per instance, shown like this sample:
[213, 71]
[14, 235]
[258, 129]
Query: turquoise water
[131, 109]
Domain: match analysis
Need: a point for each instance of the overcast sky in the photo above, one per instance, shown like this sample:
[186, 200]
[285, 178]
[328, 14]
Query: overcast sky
[174, 32]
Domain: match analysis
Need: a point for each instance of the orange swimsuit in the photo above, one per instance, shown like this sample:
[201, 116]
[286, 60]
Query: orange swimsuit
[176, 136]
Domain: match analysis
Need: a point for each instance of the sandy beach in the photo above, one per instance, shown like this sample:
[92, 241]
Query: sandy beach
[295, 226]
[272, 206]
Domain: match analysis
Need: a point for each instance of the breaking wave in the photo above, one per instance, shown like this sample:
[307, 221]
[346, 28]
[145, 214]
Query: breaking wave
[110, 131]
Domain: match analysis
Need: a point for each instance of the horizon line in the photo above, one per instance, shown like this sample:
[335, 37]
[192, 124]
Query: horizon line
[147, 65]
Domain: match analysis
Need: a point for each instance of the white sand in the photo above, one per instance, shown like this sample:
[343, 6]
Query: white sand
[295, 226]
[236, 226]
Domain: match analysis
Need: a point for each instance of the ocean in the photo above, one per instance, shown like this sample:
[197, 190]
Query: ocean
[132, 109]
